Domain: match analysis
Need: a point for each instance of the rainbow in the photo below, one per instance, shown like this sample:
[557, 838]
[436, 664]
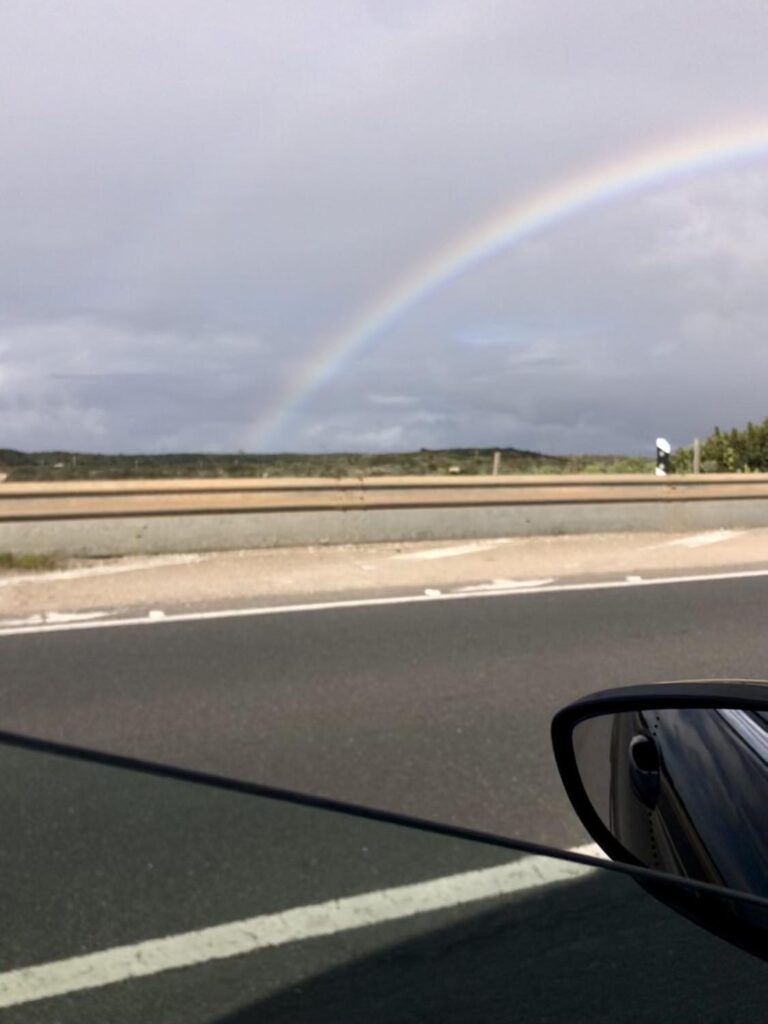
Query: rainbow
[608, 182]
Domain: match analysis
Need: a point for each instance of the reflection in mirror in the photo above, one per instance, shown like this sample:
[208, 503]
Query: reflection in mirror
[683, 789]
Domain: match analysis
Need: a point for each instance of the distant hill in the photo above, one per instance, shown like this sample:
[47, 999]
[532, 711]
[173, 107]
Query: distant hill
[60, 465]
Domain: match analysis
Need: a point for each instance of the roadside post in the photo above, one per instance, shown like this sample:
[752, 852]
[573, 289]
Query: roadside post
[663, 451]
[496, 463]
[697, 455]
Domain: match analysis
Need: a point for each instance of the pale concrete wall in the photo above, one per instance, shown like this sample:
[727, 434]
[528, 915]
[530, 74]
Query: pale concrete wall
[212, 532]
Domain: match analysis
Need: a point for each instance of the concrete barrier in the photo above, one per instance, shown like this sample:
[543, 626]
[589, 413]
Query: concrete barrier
[104, 518]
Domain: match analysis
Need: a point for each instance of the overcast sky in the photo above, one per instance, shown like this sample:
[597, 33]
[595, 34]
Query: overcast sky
[195, 196]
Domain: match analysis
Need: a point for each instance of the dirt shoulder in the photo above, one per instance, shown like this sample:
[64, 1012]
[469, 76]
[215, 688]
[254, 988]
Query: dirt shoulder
[295, 574]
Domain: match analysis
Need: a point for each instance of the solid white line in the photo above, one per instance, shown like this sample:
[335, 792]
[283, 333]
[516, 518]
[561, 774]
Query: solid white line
[379, 602]
[452, 552]
[220, 942]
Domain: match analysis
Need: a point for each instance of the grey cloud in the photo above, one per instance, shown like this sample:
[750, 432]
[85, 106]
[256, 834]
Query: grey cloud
[194, 199]
[396, 400]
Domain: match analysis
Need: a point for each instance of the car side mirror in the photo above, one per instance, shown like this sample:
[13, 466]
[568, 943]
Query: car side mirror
[674, 778]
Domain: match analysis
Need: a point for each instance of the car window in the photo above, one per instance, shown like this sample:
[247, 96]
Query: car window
[377, 379]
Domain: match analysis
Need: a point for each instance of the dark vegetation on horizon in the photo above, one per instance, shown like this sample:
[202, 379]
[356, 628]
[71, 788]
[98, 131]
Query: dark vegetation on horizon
[31, 466]
[731, 451]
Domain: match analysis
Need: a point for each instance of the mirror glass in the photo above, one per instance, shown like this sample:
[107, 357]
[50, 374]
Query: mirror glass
[683, 790]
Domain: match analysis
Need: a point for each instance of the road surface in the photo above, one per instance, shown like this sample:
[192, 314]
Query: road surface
[439, 709]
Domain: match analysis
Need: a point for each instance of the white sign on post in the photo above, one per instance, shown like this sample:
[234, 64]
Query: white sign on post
[663, 451]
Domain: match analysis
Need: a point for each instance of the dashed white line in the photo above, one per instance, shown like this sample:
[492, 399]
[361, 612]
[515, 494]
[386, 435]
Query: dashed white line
[53, 619]
[237, 938]
[456, 551]
[699, 540]
[134, 565]
[506, 585]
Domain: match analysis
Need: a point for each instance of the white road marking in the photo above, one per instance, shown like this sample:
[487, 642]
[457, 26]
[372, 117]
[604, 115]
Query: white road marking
[481, 588]
[380, 602]
[452, 552]
[633, 579]
[55, 618]
[62, 617]
[237, 938]
[135, 565]
[699, 540]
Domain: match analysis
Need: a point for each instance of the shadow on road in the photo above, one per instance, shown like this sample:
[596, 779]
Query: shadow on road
[597, 950]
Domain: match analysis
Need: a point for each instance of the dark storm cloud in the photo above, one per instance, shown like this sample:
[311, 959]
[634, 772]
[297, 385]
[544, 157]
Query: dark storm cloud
[196, 195]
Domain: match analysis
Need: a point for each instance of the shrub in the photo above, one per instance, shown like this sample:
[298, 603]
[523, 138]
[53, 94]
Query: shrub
[732, 451]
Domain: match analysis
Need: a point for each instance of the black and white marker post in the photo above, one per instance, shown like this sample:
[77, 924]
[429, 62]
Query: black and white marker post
[663, 451]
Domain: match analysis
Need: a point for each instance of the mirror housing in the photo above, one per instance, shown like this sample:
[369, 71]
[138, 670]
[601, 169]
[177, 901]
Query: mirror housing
[673, 778]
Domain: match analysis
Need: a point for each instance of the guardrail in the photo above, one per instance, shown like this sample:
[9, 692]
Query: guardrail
[99, 499]
[121, 517]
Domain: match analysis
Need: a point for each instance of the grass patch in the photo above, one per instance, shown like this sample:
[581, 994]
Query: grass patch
[28, 563]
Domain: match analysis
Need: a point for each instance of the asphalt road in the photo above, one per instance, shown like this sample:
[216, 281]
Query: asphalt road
[95, 858]
[438, 709]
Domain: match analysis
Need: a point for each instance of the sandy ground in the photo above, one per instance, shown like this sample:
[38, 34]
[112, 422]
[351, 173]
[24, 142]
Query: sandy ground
[292, 574]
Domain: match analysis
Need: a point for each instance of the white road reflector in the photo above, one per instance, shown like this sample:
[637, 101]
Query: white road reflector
[237, 938]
